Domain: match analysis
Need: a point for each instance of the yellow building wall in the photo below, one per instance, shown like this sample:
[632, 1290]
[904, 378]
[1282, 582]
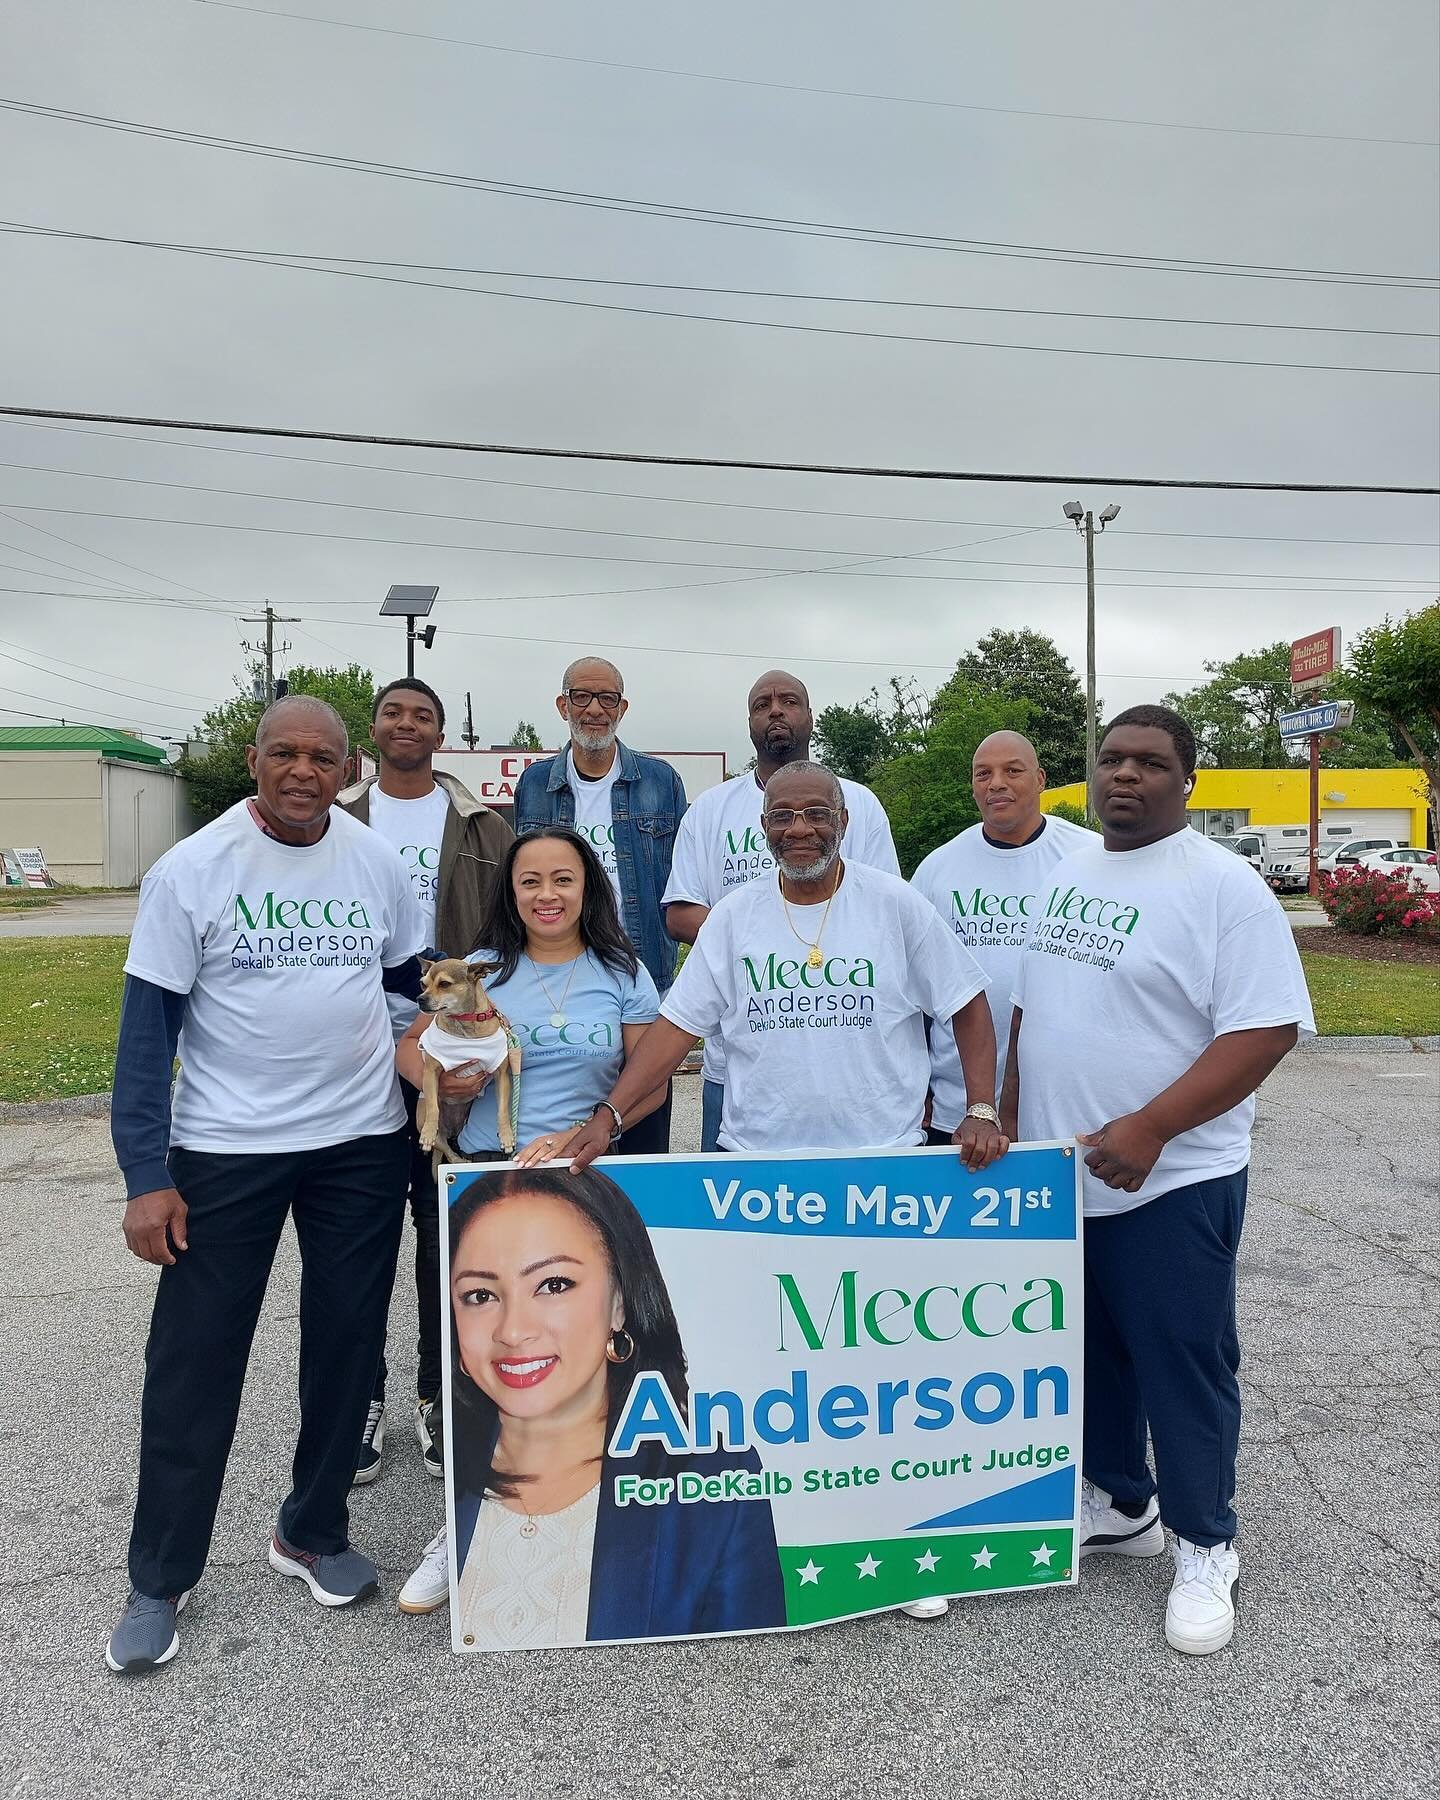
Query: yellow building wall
[1282, 796]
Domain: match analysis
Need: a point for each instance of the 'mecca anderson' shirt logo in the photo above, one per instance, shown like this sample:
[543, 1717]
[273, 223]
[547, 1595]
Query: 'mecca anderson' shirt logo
[785, 992]
[1086, 928]
[274, 932]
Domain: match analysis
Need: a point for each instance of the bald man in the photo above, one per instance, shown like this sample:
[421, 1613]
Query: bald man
[985, 883]
[262, 952]
[722, 845]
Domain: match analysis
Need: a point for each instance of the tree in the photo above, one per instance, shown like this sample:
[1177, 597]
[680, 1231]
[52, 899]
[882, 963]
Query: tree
[1026, 665]
[1067, 809]
[853, 741]
[1395, 668]
[219, 776]
[524, 736]
[1236, 714]
[926, 788]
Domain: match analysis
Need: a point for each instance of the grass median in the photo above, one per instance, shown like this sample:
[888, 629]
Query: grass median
[60, 1007]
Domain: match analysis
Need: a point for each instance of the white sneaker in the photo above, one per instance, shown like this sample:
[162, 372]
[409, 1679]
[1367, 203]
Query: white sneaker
[429, 1587]
[1103, 1527]
[1200, 1613]
[934, 1606]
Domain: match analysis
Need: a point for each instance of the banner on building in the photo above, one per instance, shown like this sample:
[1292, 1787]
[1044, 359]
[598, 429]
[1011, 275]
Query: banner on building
[706, 1395]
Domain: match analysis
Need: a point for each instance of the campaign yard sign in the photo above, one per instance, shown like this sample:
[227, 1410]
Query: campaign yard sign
[868, 1391]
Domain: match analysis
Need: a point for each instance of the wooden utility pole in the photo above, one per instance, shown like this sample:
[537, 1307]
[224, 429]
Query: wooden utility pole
[269, 619]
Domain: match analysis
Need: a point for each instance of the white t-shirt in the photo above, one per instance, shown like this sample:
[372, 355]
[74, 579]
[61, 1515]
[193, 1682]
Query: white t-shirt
[594, 819]
[987, 893]
[416, 829]
[1136, 962]
[286, 1043]
[832, 1058]
[720, 846]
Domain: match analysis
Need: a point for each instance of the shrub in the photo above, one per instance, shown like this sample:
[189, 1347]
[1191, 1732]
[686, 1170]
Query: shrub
[1370, 904]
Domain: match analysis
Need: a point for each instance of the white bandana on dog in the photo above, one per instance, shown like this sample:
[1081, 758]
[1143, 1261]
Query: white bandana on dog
[451, 1051]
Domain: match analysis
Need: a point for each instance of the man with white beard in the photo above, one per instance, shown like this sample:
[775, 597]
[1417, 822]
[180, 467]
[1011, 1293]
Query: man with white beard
[854, 961]
[628, 809]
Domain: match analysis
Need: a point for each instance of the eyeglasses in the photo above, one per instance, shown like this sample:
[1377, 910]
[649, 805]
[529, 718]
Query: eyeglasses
[781, 817]
[580, 699]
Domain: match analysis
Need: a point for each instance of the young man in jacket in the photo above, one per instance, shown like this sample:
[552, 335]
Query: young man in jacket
[628, 808]
[453, 847]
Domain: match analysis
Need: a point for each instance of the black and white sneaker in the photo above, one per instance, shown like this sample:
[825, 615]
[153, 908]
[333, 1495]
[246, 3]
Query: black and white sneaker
[1103, 1527]
[372, 1446]
[430, 1435]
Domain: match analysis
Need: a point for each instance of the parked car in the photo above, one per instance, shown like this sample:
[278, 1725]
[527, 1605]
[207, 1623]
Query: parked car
[1419, 865]
[1248, 844]
[1288, 870]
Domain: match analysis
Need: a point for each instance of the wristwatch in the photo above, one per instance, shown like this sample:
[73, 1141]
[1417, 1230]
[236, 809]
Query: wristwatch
[981, 1111]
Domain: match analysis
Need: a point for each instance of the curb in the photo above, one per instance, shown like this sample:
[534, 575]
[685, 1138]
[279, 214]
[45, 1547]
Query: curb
[1373, 1046]
[74, 1106]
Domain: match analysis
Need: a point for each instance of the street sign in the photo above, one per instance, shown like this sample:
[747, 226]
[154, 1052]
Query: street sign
[1327, 715]
[1314, 659]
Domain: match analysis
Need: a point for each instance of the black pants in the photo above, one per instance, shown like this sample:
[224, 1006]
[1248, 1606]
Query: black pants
[425, 1212]
[1161, 1350]
[347, 1202]
[651, 1136]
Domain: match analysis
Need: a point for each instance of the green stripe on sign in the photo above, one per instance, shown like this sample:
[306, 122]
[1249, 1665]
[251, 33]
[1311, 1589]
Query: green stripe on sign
[831, 1581]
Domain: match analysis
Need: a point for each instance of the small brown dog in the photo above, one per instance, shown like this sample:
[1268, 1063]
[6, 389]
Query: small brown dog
[465, 1027]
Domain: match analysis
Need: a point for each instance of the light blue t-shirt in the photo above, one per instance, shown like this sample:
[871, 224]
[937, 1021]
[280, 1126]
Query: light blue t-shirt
[565, 1071]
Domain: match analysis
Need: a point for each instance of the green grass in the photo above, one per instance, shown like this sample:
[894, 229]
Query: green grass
[59, 1010]
[1355, 998]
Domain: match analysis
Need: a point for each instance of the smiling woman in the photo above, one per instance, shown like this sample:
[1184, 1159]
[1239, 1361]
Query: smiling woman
[557, 1306]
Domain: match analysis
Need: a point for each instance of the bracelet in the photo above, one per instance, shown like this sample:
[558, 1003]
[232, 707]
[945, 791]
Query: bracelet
[619, 1122]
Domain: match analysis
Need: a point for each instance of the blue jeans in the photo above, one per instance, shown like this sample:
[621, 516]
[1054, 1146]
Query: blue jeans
[712, 1100]
[1161, 1349]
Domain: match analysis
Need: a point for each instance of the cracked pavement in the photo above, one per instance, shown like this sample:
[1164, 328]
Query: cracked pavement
[1327, 1689]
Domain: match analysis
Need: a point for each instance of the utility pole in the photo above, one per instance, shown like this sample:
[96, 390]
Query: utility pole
[1084, 521]
[469, 732]
[269, 619]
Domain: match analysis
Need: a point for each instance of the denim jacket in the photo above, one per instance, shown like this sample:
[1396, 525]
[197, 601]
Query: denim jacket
[647, 804]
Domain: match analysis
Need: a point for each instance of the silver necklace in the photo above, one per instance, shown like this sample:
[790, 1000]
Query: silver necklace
[557, 1015]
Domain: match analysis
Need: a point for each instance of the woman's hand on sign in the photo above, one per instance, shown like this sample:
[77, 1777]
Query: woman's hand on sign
[1123, 1152]
[466, 1082]
[550, 1148]
[979, 1143]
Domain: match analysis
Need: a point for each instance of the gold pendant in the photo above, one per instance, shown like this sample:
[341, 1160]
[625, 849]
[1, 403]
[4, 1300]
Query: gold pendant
[815, 958]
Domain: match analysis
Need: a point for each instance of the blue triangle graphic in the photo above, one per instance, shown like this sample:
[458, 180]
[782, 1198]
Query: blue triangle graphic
[1039, 1501]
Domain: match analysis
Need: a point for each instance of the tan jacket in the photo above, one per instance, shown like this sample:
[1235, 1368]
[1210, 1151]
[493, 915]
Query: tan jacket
[472, 849]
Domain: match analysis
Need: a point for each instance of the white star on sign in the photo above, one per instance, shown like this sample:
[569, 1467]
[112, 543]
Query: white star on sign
[810, 1573]
[927, 1562]
[1042, 1555]
[983, 1557]
[868, 1567]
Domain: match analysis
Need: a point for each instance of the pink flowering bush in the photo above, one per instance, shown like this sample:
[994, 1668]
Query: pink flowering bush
[1374, 905]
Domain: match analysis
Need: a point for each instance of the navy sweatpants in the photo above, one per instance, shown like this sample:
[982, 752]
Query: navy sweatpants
[1161, 1349]
[348, 1205]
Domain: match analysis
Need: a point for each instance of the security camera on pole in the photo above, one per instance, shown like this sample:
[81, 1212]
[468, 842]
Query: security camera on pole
[1084, 521]
[1313, 660]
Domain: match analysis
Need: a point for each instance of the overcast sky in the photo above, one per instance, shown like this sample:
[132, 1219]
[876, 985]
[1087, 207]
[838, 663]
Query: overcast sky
[103, 327]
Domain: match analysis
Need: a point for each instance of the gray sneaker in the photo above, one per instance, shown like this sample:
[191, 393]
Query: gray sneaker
[146, 1635]
[334, 1580]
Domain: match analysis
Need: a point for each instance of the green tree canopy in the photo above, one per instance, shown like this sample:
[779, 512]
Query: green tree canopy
[218, 777]
[1395, 668]
[926, 789]
[853, 741]
[524, 736]
[1025, 665]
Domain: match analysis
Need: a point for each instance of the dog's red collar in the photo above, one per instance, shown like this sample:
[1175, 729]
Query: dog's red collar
[472, 1018]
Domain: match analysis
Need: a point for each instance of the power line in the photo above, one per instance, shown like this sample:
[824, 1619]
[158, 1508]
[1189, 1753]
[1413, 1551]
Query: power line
[98, 556]
[189, 694]
[818, 512]
[304, 259]
[263, 261]
[794, 87]
[75, 681]
[731, 219]
[656, 538]
[870, 471]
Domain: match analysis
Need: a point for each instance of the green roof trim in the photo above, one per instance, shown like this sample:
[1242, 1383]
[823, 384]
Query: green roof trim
[94, 738]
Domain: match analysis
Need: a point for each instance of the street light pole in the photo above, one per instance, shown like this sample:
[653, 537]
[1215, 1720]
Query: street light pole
[1084, 521]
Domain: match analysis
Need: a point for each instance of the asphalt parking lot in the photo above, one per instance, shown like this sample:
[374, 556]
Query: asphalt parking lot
[1328, 1688]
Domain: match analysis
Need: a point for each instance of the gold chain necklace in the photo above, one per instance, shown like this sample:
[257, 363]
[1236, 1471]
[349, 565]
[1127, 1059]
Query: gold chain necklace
[814, 956]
